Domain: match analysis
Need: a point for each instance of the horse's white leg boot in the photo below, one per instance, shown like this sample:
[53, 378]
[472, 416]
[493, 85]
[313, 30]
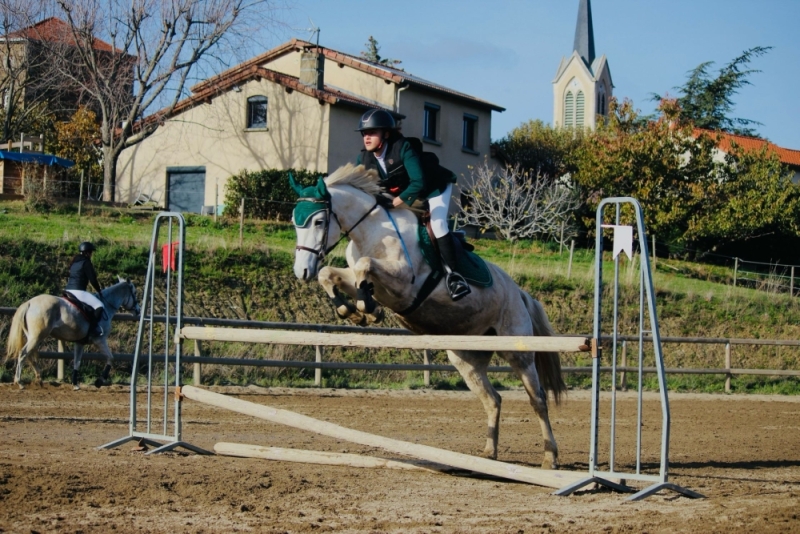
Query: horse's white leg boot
[472, 367]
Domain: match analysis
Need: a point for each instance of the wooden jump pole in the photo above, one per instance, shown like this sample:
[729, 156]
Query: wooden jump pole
[487, 343]
[304, 456]
[530, 475]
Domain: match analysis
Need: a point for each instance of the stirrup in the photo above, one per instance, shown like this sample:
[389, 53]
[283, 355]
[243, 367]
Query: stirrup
[457, 286]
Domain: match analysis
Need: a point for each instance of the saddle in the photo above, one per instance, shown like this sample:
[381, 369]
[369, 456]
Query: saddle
[86, 310]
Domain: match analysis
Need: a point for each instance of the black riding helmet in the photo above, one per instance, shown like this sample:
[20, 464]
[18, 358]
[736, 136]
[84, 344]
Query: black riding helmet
[375, 119]
[86, 246]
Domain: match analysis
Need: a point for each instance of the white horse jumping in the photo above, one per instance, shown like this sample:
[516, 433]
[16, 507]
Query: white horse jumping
[385, 262]
[46, 315]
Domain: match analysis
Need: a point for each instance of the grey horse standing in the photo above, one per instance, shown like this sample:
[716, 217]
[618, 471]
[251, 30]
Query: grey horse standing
[46, 315]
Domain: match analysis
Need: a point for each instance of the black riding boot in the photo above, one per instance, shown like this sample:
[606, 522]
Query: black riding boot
[456, 285]
[94, 328]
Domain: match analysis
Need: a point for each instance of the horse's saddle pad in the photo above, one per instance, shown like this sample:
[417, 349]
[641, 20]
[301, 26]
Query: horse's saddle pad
[470, 265]
[84, 308]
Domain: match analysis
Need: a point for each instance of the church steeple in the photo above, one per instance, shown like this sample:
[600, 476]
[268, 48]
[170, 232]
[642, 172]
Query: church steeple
[584, 33]
[582, 88]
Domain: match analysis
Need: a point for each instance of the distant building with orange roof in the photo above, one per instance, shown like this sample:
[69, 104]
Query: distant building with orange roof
[725, 142]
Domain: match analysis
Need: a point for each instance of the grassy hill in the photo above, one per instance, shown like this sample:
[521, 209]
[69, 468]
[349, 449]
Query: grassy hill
[255, 281]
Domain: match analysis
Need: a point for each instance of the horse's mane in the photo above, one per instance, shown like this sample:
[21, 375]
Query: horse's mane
[357, 176]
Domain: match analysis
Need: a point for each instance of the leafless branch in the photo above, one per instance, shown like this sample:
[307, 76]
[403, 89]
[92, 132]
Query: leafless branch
[518, 205]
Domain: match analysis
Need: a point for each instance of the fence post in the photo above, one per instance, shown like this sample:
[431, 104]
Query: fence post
[623, 379]
[654, 253]
[80, 194]
[728, 367]
[198, 377]
[561, 240]
[426, 359]
[791, 283]
[735, 270]
[241, 222]
[216, 198]
[318, 371]
[60, 366]
[569, 266]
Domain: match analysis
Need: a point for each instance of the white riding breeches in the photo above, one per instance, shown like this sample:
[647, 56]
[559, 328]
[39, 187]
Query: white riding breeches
[86, 298]
[439, 206]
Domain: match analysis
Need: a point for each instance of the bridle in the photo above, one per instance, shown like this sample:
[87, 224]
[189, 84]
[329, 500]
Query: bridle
[133, 296]
[322, 251]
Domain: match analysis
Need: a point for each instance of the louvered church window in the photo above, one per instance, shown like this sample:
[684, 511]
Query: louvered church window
[579, 110]
[569, 109]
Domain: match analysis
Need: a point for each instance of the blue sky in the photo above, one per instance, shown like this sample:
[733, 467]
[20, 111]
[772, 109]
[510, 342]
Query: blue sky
[507, 51]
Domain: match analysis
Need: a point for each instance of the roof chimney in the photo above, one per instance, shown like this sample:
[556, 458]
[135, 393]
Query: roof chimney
[312, 68]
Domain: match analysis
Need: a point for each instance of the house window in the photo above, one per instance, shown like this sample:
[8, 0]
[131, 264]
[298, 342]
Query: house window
[430, 120]
[470, 128]
[257, 112]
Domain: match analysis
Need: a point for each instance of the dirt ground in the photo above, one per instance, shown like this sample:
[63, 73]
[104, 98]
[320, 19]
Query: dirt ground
[743, 453]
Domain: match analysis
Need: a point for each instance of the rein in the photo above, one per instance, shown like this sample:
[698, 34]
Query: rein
[321, 252]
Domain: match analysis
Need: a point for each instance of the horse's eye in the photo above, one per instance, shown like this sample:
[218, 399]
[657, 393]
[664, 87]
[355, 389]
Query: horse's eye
[318, 223]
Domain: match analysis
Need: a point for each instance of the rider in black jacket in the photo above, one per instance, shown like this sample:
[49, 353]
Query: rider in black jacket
[81, 274]
[401, 172]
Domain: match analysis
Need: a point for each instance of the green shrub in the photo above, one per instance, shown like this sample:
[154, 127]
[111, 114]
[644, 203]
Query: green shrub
[267, 193]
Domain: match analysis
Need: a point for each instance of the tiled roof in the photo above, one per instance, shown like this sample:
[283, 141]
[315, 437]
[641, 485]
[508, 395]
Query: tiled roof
[724, 141]
[380, 71]
[55, 30]
[234, 77]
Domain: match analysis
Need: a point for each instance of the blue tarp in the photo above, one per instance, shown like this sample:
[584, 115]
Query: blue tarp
[41, 159]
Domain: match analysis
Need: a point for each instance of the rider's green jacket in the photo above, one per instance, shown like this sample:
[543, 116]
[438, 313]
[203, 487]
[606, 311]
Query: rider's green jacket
[404, 176]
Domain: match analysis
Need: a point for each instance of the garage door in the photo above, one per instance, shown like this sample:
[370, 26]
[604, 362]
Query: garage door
[187, 188]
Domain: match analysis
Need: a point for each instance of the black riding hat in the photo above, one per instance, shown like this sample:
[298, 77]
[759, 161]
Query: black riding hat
[86, 246]
[376, 119]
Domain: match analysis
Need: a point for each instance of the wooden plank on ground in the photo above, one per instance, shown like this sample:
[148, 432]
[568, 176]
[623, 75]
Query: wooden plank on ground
[487, 343]
[305, 456]
[530, 475]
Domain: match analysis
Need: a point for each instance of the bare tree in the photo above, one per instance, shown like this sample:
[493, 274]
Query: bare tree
[519, 205]
[23, 67]
[153, 45]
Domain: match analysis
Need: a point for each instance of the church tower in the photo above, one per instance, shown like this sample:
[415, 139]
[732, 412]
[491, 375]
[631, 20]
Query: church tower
[582, 86]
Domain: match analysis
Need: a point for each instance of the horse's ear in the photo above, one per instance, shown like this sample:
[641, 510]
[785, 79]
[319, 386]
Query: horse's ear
[295, 186]
[322, 189]
[120, 279]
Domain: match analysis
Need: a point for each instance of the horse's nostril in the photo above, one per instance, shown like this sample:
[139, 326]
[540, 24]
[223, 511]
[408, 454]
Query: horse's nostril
[305, 274]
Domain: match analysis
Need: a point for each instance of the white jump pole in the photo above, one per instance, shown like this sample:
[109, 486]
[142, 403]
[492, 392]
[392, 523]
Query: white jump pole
[486, 343]
[305, 456]
[530, 475]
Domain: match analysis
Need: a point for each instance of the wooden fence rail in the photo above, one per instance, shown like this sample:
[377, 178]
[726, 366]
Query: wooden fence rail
[566, 343]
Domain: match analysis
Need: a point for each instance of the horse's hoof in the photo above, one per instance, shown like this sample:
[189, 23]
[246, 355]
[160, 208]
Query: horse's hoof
[377, 316]
[549, 464]
[21, 386]
[76, 388]
[99, 383]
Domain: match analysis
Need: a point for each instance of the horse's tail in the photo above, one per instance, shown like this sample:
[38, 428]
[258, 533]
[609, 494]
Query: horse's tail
[15, 333]
[548, 364]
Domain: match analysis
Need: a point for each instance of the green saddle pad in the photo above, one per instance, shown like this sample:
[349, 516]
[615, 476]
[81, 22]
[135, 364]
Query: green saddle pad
[470, 265]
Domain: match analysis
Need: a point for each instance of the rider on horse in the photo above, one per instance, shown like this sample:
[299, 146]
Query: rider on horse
[81, 274]
[401, 171]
